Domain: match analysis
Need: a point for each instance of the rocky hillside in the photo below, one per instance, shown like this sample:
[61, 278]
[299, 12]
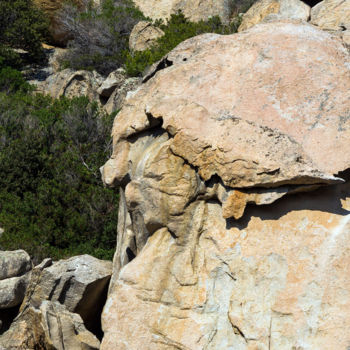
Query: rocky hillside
[231, 158]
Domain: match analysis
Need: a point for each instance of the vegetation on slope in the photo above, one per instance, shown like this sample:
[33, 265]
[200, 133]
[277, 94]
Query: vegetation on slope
[52, 201]
[22, 26]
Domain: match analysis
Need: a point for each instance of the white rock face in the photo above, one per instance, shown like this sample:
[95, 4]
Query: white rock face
[234, 218]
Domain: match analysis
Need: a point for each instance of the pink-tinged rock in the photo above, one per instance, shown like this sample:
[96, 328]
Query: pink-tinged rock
[214, 252]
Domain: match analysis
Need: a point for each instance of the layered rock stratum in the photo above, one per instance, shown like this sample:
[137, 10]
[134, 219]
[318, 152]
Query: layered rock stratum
[234, 218]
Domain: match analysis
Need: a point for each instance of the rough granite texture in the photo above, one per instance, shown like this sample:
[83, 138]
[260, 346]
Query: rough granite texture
[234, 218]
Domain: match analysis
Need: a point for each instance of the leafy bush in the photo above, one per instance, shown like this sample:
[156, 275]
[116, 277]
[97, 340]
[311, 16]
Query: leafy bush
[22, 26]
[178, 29]
[52, 201]
[11, 81]
[101, 35]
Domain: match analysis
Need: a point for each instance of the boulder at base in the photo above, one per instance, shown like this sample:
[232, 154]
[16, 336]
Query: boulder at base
[234, 218]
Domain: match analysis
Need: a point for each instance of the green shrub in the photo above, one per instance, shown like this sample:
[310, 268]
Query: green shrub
[22, 26]
[52, 201]
[11, 81]
[176, 30]
[101, 35]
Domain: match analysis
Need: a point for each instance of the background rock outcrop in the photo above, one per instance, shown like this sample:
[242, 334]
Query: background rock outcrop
[234, 218]
[194, 10]
[143, 36]
[292, 9]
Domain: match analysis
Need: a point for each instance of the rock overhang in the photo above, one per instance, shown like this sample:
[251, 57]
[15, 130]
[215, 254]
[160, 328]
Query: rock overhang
[262, 110]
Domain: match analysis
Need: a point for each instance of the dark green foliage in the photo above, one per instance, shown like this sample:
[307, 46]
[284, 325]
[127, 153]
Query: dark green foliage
[52, 201]
[100, 35]
[22, 26]
[240, 6]
[176, 30]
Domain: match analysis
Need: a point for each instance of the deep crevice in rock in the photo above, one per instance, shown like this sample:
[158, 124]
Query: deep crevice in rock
[311, 3]
[162, 64]
[6, 318]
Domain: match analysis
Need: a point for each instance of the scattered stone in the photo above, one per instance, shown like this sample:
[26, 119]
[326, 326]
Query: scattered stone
[143, 36]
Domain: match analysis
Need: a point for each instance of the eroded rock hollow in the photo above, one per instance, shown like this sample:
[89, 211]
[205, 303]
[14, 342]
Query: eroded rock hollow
[234, 219]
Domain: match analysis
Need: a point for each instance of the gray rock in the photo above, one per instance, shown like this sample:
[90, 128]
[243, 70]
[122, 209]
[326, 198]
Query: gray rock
[79, 283]
[50, 327]
[14, 263]
[12, 291]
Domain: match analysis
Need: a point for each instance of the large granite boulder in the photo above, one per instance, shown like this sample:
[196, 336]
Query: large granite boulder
[234, 218]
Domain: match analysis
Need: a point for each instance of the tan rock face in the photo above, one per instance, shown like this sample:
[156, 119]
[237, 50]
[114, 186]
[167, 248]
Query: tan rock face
[143, 36]
[261, 119]
[262, 9]
[332, 14]
[195, 10]
[71, 84]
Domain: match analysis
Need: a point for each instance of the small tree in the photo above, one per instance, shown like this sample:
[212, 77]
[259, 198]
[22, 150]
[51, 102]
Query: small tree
[101, 35]
[22, 26]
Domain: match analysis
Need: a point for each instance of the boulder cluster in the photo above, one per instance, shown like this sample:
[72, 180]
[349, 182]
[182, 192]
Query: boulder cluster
[233, 164]
[54, 305]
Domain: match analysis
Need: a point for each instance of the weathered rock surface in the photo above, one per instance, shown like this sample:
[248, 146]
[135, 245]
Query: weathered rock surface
[117, 98]
[331, 14]
[195, 10]
[292, 9]
[62, 306]
[49, 327]
[12, 291]
[79, 283]
[143, 36]
[71, 83]
[221, 123]
[14, 263]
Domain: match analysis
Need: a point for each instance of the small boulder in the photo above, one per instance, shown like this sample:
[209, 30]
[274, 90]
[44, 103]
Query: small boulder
[72, 83]
[113, 81]
[12, 291]
[116, 100]
[14, 263]
[143, 36]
